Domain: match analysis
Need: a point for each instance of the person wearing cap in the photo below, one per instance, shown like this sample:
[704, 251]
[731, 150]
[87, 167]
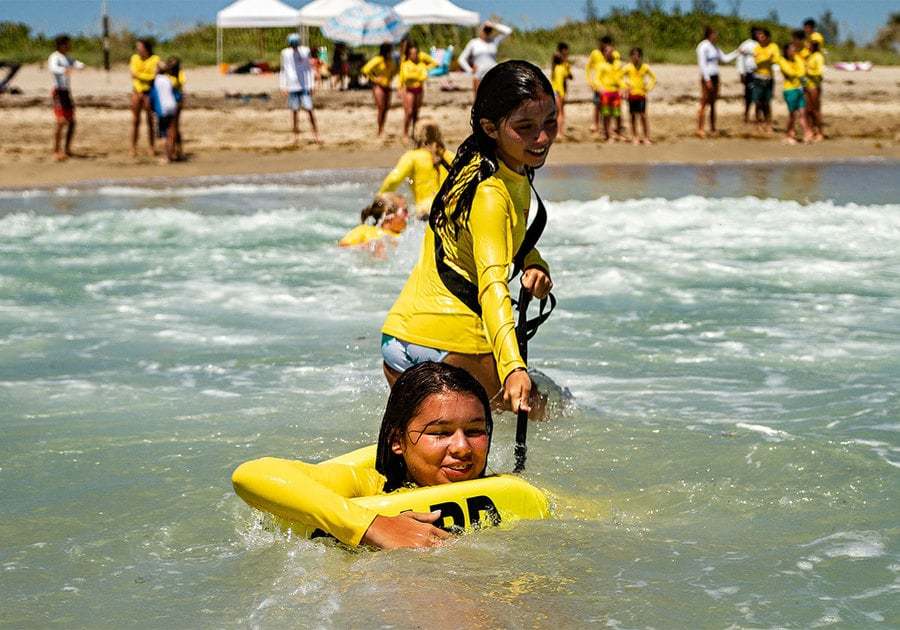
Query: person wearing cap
[296, 80]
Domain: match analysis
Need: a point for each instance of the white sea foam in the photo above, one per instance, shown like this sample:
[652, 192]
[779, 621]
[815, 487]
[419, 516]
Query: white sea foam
[764, 430]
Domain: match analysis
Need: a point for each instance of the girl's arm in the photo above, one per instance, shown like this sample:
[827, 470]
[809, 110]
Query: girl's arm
[368, 70]
[402, 172]
[489, 226]
[464, 57]
[651, 80]
[503, 30]
[315, 495]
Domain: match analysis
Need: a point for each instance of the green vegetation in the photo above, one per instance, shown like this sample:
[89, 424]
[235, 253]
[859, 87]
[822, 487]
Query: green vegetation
[665, 38]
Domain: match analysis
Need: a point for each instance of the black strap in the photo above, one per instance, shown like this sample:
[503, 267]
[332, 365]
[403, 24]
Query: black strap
[521, 448]
[466, 291]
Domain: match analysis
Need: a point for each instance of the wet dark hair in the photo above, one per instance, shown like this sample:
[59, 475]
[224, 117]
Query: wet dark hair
[173, 66]
[502, 90]
[556, 59]
[561, 46]
[754, 29]
[606, 39]
[707, 31]
[766, 32]
[148, 45]
[376, 210]
[638, 50]
[410, 44]
[785, 47]
[809, 22]
[61, 40]
[798, 34]
[385, 49]
[407, 395]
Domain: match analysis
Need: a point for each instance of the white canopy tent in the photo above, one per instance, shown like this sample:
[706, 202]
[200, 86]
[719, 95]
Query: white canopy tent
[317, 12]
[254, 14]
[435, 12]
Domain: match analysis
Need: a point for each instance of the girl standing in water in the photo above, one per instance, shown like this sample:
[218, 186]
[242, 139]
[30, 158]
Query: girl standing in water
[456, 306]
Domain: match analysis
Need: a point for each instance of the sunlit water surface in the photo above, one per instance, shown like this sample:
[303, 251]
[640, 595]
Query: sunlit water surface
[731, 338]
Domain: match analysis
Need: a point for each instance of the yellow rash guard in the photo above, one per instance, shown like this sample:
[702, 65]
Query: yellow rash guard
[364, 233]
[417, 167]
[379, 71]
[609, 76]
[414, 74]
[639, 81]
[766, 57]
[561, 73]
[428, 314]
[143, 71]
[793, 72]
[815, 67]
[312, 494]
[594, 60]
[815, 37]
[178, 82]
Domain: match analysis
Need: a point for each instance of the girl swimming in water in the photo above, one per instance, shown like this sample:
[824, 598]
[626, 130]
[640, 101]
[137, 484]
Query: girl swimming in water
[456, 305]
[386, 216]
[436, 429]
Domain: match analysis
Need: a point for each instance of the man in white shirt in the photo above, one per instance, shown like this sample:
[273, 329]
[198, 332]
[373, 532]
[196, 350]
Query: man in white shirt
[480, 54]
[296, 80]
[60, 65]
[746, 64]
[708, 57]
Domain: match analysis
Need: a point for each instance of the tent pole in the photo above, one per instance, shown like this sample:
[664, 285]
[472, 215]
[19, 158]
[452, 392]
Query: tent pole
[218, 47]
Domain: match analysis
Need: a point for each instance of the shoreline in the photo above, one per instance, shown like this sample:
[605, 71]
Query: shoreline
[85, 172]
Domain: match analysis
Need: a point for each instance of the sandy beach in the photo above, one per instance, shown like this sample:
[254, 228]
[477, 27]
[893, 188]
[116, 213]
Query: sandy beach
[227, 134]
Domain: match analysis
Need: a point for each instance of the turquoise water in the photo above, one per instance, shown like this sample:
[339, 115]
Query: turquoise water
[731, 336]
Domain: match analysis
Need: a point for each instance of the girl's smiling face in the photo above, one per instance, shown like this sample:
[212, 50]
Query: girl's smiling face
[446, 441]
[524, 137]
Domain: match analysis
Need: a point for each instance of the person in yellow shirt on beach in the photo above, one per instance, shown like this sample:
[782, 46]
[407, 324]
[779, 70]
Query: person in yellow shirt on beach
[425, 167]
[380, 71]
[456, 306]
[143, 65]
[639, 79]
[608, 82]
[765, 56]
[560, 73]
[812, 36]
[412, 76]
[794, 71]
[815, 68]
[594, 60]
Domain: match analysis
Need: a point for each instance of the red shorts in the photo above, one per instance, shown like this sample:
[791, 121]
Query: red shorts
[611, 99]
[415, 90]
[63, 106]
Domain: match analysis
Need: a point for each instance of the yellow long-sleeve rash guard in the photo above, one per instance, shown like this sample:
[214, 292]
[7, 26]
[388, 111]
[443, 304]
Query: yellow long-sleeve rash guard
[143, 71]
[639, 81]
[417, 167]
[380, 71]
[428, 314]
[414, 74]
[793, 71]
[315, 495]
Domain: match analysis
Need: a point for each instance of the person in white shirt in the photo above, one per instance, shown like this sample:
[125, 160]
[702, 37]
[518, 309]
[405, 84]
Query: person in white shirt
[162, 99]
[708, 57]
[60, 65]
[296, 79]
[746, 64]
[480, 54]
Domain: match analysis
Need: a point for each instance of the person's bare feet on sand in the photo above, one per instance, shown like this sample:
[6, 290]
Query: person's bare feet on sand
[60, 157]
[133, 152]
[647, 141]
[700, 134]
[635, 140]
[594, 129]
[790, 140]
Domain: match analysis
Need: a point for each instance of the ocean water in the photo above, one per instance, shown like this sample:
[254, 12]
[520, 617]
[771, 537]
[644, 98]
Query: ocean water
[731, 336]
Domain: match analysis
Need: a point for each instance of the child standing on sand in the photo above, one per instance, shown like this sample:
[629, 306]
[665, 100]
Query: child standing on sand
[60, 66]
[560, 73]
[815, 66]
[765, 56]
[608, 81]
[639, 80]
[162, 98]
[143, 66]
[176, 76]
[794, 71]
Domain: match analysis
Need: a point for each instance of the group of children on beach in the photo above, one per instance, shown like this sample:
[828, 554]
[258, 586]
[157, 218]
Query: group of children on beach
[802, 64]
[157, 90]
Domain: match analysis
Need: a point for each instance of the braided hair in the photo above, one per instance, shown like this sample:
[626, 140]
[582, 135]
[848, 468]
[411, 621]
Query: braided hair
[506, 86]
